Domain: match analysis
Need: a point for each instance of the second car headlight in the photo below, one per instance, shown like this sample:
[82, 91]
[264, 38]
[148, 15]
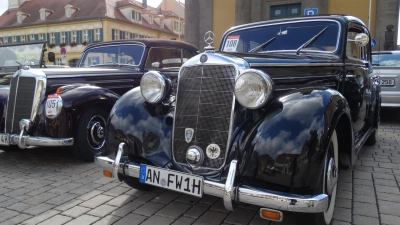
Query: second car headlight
[153, 87]
[253, 88]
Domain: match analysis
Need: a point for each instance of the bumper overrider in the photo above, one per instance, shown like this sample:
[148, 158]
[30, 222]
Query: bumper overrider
[23, 140]
[229, 191]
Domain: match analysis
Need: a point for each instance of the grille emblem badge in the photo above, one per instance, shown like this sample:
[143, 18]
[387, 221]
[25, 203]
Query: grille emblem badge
[189, 132]
[213, 151]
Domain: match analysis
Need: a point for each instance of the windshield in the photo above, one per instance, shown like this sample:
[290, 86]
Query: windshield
[284, 37]
[23, 54]
[386, 59]
[116, 54]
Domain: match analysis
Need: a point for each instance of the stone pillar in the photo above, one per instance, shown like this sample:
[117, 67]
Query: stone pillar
[387, 12]
[205, 21]
[256, 10]
[242, 12]
[192, 17]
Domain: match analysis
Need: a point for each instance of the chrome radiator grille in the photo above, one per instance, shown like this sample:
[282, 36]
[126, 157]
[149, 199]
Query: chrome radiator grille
[20, 100]
[204, 103]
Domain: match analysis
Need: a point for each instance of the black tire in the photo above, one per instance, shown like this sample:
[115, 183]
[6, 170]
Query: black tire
[89, 137]
[11, 148]
[324, 218]
[134, 183]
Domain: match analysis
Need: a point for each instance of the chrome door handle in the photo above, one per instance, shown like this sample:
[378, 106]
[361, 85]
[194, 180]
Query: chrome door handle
[350, 76]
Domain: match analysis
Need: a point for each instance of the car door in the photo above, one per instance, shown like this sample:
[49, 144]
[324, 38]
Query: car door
[360, 83]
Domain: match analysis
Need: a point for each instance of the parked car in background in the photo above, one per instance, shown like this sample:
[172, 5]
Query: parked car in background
[69, 106]
[386, 65]
[267, 120]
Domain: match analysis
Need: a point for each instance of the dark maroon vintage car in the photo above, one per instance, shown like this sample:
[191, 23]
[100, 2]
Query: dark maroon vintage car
[69, 107]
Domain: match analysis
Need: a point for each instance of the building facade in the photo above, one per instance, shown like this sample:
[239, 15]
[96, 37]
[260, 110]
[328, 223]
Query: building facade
[219, 15]
[69, 25]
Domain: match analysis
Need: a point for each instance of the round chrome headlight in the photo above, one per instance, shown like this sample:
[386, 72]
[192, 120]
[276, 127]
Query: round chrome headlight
[153, 87]
[253, 88]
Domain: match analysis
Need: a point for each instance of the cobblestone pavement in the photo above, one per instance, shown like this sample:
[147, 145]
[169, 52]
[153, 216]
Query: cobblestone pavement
[49, 186]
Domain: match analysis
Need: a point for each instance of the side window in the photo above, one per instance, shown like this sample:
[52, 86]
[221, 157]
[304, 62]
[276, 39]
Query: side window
[164, 58]
[354, 51]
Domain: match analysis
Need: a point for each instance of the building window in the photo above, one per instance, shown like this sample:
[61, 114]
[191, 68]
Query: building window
[63, 38]
[73, 34]
[14, 39]
[127, 35]
[5, 40]
[41, 37]
[42, 15]
[151, 19]
[32, 37]
[68, 12]
[282, 11]
[116, 32]
[86, 35]
[136, 15]
[53, 38]
[98, 34]
[176, 25]
[19, 19]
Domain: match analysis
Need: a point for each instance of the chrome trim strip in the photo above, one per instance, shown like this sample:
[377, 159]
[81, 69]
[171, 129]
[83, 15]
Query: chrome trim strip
[295, 64]
[105, 46]
[15, 103]
[92, 75]
[117, 160]
[40, 141]
[229, 188]
[242, 194]
[288, 22]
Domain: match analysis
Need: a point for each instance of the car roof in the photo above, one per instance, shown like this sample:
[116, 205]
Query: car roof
[149, 42]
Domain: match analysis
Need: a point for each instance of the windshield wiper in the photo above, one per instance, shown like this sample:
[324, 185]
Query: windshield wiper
[262, 45]
[311, 40]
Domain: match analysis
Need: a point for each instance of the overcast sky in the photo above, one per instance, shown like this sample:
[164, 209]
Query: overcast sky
[4, 4]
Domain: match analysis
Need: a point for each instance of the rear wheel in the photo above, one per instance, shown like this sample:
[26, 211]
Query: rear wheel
[90, 136]
[327, 185]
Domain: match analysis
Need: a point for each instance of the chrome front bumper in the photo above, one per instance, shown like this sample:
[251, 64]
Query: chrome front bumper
[24, 141]
[229, 191]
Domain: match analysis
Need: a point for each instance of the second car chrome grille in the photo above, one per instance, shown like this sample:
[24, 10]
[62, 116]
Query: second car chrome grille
[204, 103]
[20, 100]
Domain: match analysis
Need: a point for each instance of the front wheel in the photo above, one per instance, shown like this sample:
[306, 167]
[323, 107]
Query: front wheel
[90, 136]
[327, 185]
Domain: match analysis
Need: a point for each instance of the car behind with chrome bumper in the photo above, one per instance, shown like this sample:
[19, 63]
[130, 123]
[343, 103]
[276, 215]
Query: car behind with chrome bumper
[69, 106]
[386, 65]
[267, 120]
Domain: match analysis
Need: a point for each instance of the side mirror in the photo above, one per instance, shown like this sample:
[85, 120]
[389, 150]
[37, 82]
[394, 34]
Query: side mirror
[361, 40]
[51, 57]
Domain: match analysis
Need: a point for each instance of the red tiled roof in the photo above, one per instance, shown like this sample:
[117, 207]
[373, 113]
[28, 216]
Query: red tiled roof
[89, 9]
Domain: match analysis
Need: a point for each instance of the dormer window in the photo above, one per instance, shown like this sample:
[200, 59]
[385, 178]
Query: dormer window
[68, 13]
[151, 19]
[69, 10]
[136, 16]
[21, 16]
[177, 26]
[42, 15]
[19, 19]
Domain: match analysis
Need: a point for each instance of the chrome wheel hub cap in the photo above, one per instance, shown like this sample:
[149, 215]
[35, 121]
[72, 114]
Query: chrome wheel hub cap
[331, 176]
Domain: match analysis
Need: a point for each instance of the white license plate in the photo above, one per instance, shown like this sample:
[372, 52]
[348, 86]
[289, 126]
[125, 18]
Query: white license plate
[172, 180]
[4, 139]
[387, 82]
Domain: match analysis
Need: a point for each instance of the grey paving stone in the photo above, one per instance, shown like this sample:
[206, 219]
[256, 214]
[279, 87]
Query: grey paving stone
[109, 186]
[61, 199]
[18, 192]
[147, 197]
[126, 209]
[345, 186]
[56, 220]
[102, 210]
[388, 197]
[85, 189]
[388, 165]
[343, 203]
[336, 222]
[342, 214]
[387, 189]
[369, 163]
[197, 210]
[385, 182]
[39, 218]
[219, 206]
[7, 214]
[390, 208]
[211, 218]
[344, 194]
[39, 185]
[8, 202]
[183, 220]
[364, 198]
[83, 220]
[4, 190]
[208, 199]
[110, 219]
[116, 191]
[3, 198]
[188, 199]
[89, 195]
[149, 208]
[135, 192]
[40, 190]
[390, 220]
[121, 200]
[365, 209]
[40, 198]
[362, 175]
[240, 216]
[38, 209]
[96, 201]
[166, 197]
[19, 207]
[383, 176]
[65, 188]
[131, 219]
[174, 209]
[16, 220]
[158, 220]
[68, 205]
[363, 182]
[75, 211]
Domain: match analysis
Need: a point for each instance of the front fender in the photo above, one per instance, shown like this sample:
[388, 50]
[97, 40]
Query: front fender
[75, 102]
[146, 129]
[287, 146]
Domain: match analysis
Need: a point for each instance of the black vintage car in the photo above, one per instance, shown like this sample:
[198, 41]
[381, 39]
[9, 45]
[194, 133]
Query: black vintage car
[69, 107]
[268, 120]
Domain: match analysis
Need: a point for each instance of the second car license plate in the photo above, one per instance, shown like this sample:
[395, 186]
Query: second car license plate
[4, 139]
[172, 180]
[387, 82]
